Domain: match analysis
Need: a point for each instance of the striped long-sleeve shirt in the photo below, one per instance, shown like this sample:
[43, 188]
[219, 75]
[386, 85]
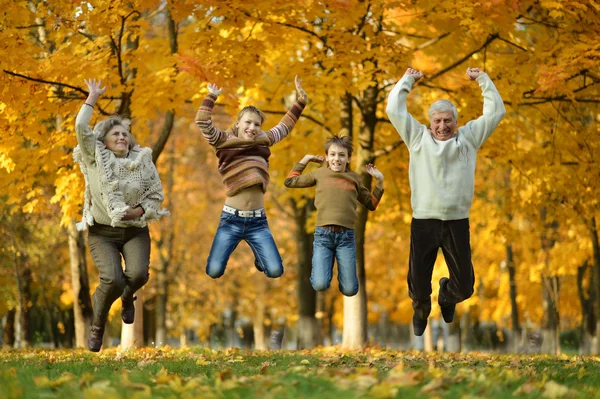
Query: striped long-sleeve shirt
[242, 162]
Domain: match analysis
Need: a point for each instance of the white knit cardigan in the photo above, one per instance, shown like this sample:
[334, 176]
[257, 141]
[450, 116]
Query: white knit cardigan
[113, 184]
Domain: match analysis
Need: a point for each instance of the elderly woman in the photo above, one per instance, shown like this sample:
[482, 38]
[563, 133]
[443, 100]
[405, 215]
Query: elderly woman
[122, 193]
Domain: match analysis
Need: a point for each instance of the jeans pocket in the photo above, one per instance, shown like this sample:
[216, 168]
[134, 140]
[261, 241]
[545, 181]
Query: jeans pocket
[225, 218]
[319, 231]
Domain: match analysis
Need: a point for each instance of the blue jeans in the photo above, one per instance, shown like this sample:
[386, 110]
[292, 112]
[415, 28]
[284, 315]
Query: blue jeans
[255, 231]
[327, 247]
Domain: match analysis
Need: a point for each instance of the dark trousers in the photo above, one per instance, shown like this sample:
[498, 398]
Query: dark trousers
[426, 237]
[107, 245]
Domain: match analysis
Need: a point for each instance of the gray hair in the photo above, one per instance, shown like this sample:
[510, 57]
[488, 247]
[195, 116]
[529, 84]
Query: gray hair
[102, 128]
[442, 106]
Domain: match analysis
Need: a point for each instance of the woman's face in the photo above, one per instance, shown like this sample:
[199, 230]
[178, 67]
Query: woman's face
[248, 127]
[117, 140]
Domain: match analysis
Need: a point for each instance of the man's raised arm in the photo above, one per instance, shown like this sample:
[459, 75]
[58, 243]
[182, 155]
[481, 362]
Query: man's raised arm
[493, 108]
[407, 126]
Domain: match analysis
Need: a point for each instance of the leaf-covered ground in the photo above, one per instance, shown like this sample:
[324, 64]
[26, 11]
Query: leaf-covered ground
[322, 373]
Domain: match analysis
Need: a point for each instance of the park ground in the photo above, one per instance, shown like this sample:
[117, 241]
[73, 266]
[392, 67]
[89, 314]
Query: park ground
[321, 373]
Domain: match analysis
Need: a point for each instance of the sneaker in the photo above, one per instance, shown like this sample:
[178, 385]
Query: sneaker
[446, 309]
[419, 325]
[128, 310]
[95, 339]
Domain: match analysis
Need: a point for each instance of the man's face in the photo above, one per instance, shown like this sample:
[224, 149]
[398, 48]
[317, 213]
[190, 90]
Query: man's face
[248, 127]
[443, 125]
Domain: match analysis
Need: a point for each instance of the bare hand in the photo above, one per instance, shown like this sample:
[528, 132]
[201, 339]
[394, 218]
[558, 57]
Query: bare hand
[301, 93]
[133, 213]
[373, 171]
[312, 158]
[214, 89]
[474, 73]
[414, 73]
[94, 87]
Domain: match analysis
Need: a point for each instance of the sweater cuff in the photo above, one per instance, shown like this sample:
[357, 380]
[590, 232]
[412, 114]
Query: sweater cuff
[299, 167]
[378, 192]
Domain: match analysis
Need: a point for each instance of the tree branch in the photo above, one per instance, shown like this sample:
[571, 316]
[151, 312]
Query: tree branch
[562, 98]
[49, 82]
[387, 149]
[512, 44]
[431, 42]
[489, 40]
[310, 118]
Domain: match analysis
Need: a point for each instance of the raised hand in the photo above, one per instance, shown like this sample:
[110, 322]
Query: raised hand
[214, 89]
[301, 93]
[373, 171]
[94, 87]
[312, 158]
[474, 73]
[414, 73]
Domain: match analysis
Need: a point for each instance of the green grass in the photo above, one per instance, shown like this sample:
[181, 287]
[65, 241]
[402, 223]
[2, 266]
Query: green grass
[322, 373]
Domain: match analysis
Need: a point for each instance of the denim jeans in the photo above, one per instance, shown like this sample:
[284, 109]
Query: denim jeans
[426, 237]
[255, 231]
[107, 245]
[327, 247]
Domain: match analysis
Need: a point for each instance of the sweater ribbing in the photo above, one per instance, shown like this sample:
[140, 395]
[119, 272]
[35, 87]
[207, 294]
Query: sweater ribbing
[244, 163]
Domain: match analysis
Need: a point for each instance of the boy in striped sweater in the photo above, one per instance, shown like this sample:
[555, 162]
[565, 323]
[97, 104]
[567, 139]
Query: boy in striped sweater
[243, 153]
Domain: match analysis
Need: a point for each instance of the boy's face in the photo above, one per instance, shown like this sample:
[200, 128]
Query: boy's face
[337, 158]
[248, 127]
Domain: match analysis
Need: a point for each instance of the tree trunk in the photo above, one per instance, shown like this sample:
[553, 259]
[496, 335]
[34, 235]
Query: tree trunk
[355, 308]
[258, 320]
[23, 325]
[467, 340]
[8, 340]
[585, 302]
[82, 303]
[516, 327]
[551, 330]
[596, 255]
[309, 334]
[132, 335]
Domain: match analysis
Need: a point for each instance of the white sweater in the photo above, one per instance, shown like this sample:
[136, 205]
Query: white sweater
[112, 184]
[442, 173]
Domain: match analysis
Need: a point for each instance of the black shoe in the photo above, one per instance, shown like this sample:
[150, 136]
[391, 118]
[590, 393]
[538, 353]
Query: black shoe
[419, 325]
[446, 309]
[128, 310]
[95, 339]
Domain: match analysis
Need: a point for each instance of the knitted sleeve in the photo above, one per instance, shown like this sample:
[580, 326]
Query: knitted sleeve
[409, 128]
[213, 135]
[493, 112]
[85, 135]
[368, 199]
[287, 123]
[152, 201]
[296, 179]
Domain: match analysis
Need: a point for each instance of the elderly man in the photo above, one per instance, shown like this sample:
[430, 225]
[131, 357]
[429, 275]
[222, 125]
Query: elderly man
[442, 179]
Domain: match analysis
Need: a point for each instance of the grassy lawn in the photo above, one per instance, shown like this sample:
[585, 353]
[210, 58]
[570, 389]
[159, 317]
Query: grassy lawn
[321, 373]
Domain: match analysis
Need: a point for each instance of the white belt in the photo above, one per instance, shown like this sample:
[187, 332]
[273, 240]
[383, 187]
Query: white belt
[244, 214]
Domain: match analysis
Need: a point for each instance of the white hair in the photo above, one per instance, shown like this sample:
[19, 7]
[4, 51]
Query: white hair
[442, 106]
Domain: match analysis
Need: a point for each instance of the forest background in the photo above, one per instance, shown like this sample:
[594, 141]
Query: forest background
[534, 228]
